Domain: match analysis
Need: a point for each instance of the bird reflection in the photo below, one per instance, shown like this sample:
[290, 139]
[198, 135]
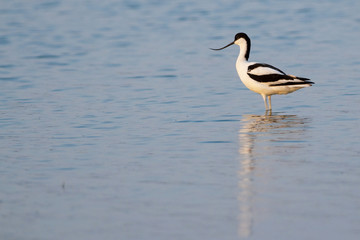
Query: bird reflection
[261, 136]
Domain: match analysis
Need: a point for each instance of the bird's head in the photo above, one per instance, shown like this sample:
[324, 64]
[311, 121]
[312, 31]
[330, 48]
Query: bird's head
[240, 39]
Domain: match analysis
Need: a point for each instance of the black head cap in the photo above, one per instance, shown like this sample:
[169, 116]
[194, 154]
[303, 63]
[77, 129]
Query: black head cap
[241, 35]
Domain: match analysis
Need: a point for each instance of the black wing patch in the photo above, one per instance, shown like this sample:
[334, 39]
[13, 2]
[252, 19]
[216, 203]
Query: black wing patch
[290, 83]
[270, 77]
[256, 65]
[302, 78]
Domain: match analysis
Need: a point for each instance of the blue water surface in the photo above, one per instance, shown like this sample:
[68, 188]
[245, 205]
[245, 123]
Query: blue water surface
[118, 122]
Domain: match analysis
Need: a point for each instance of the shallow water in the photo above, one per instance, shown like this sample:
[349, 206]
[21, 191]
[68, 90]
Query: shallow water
[118, 122]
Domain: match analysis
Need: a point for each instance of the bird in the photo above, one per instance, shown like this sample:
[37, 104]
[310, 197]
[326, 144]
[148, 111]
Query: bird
[263, 78]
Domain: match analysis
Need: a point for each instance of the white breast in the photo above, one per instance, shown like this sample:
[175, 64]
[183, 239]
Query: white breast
[242, 68]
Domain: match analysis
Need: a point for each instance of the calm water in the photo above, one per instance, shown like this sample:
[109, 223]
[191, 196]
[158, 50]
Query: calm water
[118, 122]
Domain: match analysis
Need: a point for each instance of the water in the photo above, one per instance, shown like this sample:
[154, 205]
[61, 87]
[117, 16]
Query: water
[118, 122]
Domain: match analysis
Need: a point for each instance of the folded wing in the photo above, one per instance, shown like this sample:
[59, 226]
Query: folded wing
[272, 76]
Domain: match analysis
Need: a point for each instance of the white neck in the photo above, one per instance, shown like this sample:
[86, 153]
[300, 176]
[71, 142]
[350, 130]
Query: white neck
[241, 57]
[244, 49]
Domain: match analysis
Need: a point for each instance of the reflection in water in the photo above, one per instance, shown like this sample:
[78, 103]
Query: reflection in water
[261, 136]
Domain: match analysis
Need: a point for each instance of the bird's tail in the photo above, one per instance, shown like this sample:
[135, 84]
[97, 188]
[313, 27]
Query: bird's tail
[302, 80]
[294, 81]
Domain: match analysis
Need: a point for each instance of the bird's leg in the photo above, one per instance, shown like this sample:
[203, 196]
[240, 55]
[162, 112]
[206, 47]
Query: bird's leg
[269, 97]
[265, 101]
